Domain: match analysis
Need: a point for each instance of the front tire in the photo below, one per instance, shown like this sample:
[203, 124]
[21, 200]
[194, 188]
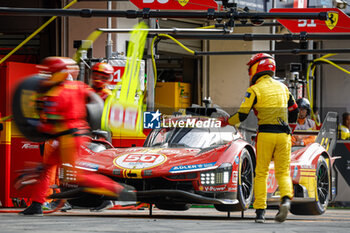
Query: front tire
[245, 185]
[323, 191]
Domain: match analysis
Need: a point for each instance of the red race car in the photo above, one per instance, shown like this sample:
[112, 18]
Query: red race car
[178, 167]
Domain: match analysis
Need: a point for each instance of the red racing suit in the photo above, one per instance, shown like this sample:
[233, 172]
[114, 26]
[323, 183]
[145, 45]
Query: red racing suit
[63, 114]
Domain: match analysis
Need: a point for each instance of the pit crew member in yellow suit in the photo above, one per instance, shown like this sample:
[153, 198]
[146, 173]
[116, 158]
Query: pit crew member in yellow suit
[273, 105]
[344, 132]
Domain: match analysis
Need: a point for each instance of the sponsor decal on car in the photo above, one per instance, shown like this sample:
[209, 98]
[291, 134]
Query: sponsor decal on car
[192, 167]
[234, 177]
[139, 160]
[334, 190]
[295, 173]
[29, 145]
[214, 189]
[86, 149]
[271, 181]
[308, 166]
[237, 160]
[171, 151]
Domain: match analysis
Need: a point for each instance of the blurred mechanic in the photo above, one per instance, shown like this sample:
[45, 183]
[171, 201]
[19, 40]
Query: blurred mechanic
[102, 74]
[46, 150]
[274, 106]
[62, 110]
[344, 128]
[304, 123]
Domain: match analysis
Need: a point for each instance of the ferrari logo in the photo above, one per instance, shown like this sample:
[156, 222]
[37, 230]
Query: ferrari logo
[332, 20]
[183, 2]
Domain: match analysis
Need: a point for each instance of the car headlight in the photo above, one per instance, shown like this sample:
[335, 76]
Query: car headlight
[219, 176]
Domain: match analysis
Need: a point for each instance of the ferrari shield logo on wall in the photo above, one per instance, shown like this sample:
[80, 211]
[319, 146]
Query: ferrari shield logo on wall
[337, 20]
[183, 2]
[332, 20]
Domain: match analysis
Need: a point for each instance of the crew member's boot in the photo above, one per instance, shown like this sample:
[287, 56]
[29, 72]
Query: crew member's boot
[283, 210]
[260, 216]
[35, 209]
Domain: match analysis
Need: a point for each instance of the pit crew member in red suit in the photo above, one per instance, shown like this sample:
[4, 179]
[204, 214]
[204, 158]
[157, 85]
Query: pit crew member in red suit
[102, 74]
[62, 110]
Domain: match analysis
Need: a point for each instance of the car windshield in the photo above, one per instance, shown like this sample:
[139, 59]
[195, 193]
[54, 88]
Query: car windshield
[184, 137]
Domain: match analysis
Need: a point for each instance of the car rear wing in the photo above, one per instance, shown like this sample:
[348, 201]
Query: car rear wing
[327, 137]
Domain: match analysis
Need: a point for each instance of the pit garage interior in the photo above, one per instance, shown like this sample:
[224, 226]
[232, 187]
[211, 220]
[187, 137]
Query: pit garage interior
[223, 78]
[208, 75]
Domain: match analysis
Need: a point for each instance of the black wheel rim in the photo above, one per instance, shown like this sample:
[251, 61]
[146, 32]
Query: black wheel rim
[246, 178]
[322, 184]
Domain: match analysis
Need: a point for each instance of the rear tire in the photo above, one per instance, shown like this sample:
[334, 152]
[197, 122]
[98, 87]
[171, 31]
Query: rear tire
[21, 109]
[245, 189]
[323, 184]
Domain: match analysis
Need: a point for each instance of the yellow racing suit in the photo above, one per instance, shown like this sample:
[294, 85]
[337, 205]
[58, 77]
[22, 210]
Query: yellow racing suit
[271, 101]
[344, 133]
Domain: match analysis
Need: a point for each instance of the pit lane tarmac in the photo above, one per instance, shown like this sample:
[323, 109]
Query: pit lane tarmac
[193, 220]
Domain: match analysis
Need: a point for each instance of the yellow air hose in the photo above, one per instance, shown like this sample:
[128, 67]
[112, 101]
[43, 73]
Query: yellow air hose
[309, 88]
[35, 33]
[152, 52]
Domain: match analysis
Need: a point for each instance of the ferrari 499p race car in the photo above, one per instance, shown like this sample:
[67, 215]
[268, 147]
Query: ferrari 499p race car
[178, 167]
